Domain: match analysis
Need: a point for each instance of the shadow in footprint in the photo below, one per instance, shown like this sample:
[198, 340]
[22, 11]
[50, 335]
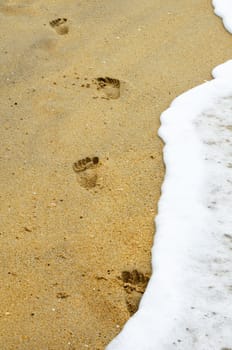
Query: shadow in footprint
[86, 171]
[60, 25]
[110, 87]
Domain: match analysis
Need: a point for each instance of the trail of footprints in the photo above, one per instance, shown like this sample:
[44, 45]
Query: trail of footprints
[109, 86]
[86, 168]
[133, 282]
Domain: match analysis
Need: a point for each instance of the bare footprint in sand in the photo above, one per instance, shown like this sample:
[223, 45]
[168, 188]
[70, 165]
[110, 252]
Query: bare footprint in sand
[110, 87]
[134, 283]
[86, 171]
[60, 25]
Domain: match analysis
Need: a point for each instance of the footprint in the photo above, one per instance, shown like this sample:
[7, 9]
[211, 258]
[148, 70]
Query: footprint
[134, 283]
[110, 87]
[60, 25]
[86, 171]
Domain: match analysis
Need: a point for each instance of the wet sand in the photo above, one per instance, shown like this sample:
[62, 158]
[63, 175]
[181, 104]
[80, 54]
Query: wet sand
[72, 235]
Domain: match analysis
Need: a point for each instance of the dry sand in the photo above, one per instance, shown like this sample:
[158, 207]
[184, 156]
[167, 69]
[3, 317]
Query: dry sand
[66, 236]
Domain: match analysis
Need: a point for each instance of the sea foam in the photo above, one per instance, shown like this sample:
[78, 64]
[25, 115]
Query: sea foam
[222, 8]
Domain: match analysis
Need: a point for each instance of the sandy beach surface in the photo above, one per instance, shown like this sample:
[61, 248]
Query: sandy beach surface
[83, 84]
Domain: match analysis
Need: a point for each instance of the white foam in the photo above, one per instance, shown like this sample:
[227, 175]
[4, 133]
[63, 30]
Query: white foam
[223, 9]
[188, 302]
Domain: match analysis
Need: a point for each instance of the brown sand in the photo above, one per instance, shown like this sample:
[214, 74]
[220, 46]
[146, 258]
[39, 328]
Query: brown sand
[66, 237]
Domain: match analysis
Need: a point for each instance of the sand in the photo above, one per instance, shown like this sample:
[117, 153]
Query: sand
[70, 239]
